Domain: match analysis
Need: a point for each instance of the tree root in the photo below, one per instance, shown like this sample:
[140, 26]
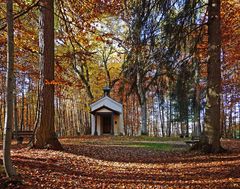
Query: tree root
[207, 148]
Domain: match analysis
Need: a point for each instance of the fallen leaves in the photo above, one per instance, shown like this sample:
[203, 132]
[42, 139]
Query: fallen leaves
[95, 165]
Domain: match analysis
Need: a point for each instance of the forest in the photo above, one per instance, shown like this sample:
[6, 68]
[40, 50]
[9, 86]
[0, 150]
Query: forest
[96, 89]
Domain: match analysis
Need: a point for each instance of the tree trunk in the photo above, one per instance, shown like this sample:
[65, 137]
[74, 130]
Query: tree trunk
[1, 123]
[211, 139]
[169, 123]
[15, 115]
[27, 117]
[3, 105]
[15, 110]
[4, 101]
[23, 104]
[144, 116]
[163, 120]
[45, 134]
[7, 163]
[197, 112]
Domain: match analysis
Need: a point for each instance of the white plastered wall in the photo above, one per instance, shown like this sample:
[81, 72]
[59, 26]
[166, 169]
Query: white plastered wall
[93, 124]
[99, 132]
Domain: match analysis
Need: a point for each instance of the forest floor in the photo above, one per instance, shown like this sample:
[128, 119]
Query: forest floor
[124, 162]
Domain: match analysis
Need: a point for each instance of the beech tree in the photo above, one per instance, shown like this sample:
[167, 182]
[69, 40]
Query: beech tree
[45, 133]
[7, 163]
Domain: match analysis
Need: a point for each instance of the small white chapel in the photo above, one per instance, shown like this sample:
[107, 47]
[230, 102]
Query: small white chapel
[106, 116]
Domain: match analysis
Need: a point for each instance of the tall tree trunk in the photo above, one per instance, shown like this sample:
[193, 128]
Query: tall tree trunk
[212, 120]
[239, 121]
[222, 118]
[27, 117]
[187, 127]
[23, 104]
[4, 101]
[15, 113]
[162, 120]
[7, 163]
[57, 118]
[197, 112]
[80, 118]
[143, 104]
[1, 123]
[45, 134]
[169, 123]
[144, 117]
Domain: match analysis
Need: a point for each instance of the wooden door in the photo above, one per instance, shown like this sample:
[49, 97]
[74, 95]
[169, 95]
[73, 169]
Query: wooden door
[107, 123]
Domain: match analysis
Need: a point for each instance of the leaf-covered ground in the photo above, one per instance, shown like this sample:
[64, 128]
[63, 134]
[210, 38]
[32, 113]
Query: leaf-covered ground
[107, 162]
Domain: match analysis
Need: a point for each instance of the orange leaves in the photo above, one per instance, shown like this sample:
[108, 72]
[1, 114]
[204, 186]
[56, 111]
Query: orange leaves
[230, 36]
[22, 67]
[230, 17]
[105, 38]
[99, 38]
[108, 162]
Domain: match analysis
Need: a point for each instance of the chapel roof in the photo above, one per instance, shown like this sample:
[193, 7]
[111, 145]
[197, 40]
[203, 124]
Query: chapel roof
[108, 103]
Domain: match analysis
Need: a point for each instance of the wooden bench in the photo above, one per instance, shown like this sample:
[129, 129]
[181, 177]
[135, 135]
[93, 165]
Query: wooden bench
[20, 135]
[194, 140]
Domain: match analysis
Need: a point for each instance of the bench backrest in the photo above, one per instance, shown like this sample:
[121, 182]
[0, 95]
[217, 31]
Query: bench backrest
[22, 133]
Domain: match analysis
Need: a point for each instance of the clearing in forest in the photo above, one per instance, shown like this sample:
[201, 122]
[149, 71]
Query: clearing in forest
[124, 162]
